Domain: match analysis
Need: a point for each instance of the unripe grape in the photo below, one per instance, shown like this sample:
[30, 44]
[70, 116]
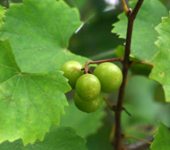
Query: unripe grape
[88, 87]
[88, 106]
[110, 76]
[72, 71]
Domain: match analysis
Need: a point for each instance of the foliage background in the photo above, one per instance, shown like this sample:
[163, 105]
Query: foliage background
[95, 40]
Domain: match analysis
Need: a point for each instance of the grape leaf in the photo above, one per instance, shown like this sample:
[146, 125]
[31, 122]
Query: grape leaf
[136, 68]
[141, 69]
[29, 102]
[119, 52]
[77, 3]
[160, 71]
[161, 138]
[159, 95]
[140, 104]
[101, 135]
[2, 15]
[144, 34]
[84, 123]
[61, 138]
[136, 99]
[40, 33]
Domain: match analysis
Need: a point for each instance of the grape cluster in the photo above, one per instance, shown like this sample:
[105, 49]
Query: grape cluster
[107, 77]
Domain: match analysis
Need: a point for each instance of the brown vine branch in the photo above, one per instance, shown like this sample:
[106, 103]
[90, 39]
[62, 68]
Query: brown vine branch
[113, 106]
[136, 9]
[126, 64]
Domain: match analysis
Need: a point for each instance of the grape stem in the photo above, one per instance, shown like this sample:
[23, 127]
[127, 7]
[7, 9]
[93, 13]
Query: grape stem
[142, 62]
[131, 15]
[112, 134]
[140, 145]
[123, 108]
[113, 106]
[125, 7]
[86, 69]
[137, 138]
[108, 103]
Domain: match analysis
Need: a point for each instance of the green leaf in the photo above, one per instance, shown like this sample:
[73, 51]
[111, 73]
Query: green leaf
[8, 65]
[101, 135]
[160, 70]
[2, 15]
[139, 97]
[84, 123]
[29, 102]
[119, 52]
[159, 95]
[77, 3]
[140, 104]
[161, 138]
[60, 138]
[141, 69]
[40, 33]
[144, 34]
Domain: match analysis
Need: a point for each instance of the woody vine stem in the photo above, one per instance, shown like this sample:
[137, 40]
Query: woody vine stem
[131, 15]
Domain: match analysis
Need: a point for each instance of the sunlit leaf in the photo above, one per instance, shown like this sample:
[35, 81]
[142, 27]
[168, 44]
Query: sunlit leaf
[161, 138]
[2, 15]
[61, 138]
[40, 33]
[161, 72]
[29, 102]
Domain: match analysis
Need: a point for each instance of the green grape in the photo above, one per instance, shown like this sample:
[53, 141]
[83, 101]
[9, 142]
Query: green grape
[110, 76]
[88, 106]
[88, 87]
[72, 71]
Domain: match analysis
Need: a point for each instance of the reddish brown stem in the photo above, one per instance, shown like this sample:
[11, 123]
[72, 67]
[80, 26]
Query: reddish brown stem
[101, 61]
[126, 64]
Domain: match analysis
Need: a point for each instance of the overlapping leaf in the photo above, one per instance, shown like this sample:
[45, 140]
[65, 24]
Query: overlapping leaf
[29, 102]
[161, 71]
[138, 98]
[83, 123]
[161, 138]
[60, 138]
[144, 34]
[101, 135]
[39, 32]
